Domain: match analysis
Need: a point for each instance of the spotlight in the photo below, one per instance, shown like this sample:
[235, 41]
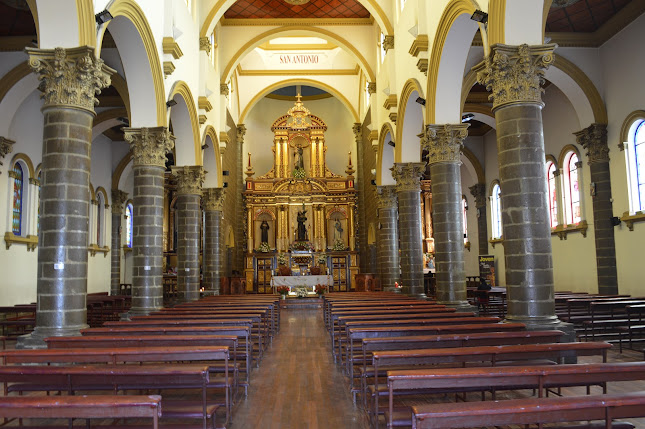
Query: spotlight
[421, 101]
[615, 221]
[391, 143]
[467, 117]
[171, 103]
[480, 16]
[225, 173]
[225, 185]
[205, 146]
[103, 17]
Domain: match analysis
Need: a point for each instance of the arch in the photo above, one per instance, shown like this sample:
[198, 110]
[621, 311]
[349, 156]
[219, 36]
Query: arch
[185, 105]
[12, 77]
[551, 158]
[211, 134]
[296, 81]
[121, 87]
[262, 211]
[68, 32]
[101, 190]
[565, 150]
[627, 124]
[479, 170]
[325, 34]
[33, 8]
[469, 81]
[385, 157]
[106, 120]
[217, 12]
[25, 160]
[118, 171]
[131, 35]
[516, 21]
[86, 23]
[454, 36]
[408, 112]
[92, 193]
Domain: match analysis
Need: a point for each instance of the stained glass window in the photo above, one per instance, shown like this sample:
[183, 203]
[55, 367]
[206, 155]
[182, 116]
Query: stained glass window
[464, 208]
[17, 200]
[639, 158]
[572, 189]
[128, 225]
[553, 199]
[99, 219]
[496, 211]
[38, 203]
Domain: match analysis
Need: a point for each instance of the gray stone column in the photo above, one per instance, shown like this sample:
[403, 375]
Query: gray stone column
[388, 237]
[149, 147]
[444, 144]
[188, 212]
[118, 198]
[240, 221]
[515, 75]
[69, 79]
[594, 140]
[361, 233]
[408, 189]
[213, 260]
[478, 191]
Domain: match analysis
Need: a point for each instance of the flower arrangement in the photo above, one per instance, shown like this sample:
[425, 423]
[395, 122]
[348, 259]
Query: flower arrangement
[300, 246]
[299, 173]
[282, 290]
[339, 245]
[264, 247]
[321, 289]
[282, 259]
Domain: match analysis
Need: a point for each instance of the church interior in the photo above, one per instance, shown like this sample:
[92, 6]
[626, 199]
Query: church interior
[299, 176]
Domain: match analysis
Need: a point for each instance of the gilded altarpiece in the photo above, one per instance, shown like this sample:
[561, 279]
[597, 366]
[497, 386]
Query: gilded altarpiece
[300, 210]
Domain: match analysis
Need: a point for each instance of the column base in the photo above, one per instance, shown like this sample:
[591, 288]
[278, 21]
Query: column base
[550, 325]
[137, 312]
[36, 339]
[461, 306]
[420, 296]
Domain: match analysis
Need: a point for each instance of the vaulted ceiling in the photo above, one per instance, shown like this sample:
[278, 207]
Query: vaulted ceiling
[583, 16]
[258, 9]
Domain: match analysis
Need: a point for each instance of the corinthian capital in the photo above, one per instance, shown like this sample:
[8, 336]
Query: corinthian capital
[205, 44]
[149, 146]
[118, 198]
[594, 140]
[478, 190]
[241, 131]
[6, 146]
[388, 43]
[358, 131]
[189, 179]
[386, 197]
[444, 142]
[69, 77]
[213, 199]
[515, 74]
[407, 175]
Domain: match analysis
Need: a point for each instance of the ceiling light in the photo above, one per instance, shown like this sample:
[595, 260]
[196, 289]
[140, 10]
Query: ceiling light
[479, 16]
[391, 143]
[103, 17]
[171, 103]
[421, 101]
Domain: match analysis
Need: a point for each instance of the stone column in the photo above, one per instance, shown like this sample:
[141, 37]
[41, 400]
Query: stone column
[515, 75]
[149, 147]
[594, 140]
[188, 211]
[478, 191]
[213, 199]
[118, 199]
[240, 222]
[361, 234]
[69, 79]
[408, 189]
[444, 144]
[388, 237]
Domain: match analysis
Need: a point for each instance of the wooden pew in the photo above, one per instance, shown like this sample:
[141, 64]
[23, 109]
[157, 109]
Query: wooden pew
[81, 407]
[530, 410]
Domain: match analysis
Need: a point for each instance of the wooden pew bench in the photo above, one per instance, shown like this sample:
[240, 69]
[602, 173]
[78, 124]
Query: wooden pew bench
[530, 411]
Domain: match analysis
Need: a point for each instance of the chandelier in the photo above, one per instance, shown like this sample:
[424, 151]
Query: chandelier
[297, 2]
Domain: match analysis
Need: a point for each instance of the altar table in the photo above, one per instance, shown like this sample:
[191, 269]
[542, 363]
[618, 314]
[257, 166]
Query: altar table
[308, 282]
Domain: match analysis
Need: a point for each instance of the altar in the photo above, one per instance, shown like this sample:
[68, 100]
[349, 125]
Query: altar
[307, 282]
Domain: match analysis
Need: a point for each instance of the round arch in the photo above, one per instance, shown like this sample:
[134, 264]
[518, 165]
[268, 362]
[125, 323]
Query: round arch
[296, 81]
[565, 151]
[138, 50]
[15, 87]
[101, 190]
[385, 159]
[476, 165]
[627, 124]
[217, 12]
[185, 124]
[120, 168]
[409, 114]
[24, 158]
[517, 21]
[212, 155]
[300, 29]
[106, 120]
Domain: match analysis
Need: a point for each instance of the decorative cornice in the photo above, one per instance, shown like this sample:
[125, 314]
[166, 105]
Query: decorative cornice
[205, 45]
[390, 102]
[170, 46]
[422, 65]
[69, 77]
[168, 68]
[444, 142]
[386, 197]
[189, 179]
[223, 89]
[420, 44]
[213, 199]
[12, 174]
[149, 146]
[203, 103]
[371, 87]
[392, 117]
[118, 198]
[407, 175]
[201, 119]
[594, 140]
[515, 74]
[6, 147]
[388, 42]
[478, 190]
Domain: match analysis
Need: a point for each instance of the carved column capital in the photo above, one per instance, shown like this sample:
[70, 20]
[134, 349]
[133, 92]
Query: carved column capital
[371, 87]
[386, 197]
[594, 140]
[478, 190]
[34, 181]
[213, 199]
[407, 175]
[241, 131]
[205, 44]
[189, 179]
[149, 146]
[515, 74]
[6, 147]
[444, 142]
[118, 198]
[357, 128]
[69, 77]
[223, 89]
[388, 43]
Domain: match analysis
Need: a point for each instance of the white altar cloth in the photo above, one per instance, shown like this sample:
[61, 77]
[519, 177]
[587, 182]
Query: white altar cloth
[308, 282]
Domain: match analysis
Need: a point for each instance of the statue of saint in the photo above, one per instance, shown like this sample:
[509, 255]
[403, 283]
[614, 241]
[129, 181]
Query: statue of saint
[299, 162]
[264, 232]
[338, 231]
[302, 230]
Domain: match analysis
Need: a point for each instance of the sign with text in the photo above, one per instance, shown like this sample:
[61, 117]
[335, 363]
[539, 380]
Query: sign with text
[298, 60]
[487, 269]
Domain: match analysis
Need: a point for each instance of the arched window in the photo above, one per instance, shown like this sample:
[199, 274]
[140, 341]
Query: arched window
[571, 189]
[128, 224]
[38, 203]
[464, 208]
[553, 199]
[99, 218]
[635, 152]
[496, 211]
[18, 194]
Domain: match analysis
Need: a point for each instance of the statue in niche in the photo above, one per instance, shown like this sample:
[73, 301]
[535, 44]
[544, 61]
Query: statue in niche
[302, 230]
[338, 231]
[299, 163]
[264, 232]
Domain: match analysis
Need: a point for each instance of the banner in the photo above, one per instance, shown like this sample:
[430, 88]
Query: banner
[487, 269]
